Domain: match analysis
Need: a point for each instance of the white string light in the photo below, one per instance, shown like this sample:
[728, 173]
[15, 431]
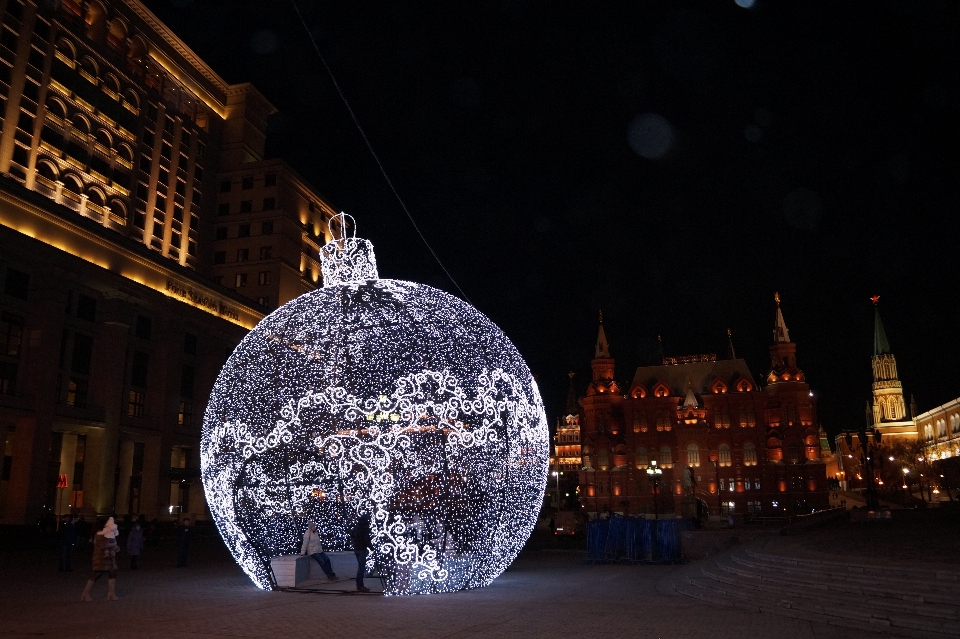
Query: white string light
[383, 397]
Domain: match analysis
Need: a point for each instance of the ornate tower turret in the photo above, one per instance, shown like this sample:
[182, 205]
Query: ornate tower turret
[602, 365]
[888, 404]
[783, 352]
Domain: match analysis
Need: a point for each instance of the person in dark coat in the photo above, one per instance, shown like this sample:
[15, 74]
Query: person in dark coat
[135, 546]
[104, 561]
[83, 531]
[185, 532]
[362, 544]
[68, 539]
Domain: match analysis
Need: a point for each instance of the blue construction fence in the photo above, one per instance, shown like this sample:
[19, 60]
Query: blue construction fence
[634, 540]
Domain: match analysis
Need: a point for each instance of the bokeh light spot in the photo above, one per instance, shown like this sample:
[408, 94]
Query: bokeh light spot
[650, 135]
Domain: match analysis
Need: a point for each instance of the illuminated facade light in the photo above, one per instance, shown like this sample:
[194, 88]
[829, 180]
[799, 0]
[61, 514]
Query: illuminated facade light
[383, 397]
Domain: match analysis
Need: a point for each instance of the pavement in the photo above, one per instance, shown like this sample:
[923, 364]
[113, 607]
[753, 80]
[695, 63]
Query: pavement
[544, 594]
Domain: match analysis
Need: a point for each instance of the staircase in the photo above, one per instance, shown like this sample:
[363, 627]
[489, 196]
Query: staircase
[898, 600]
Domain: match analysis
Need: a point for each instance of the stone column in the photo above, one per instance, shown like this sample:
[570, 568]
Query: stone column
[68, 457]
[126, 470]
[110, 373]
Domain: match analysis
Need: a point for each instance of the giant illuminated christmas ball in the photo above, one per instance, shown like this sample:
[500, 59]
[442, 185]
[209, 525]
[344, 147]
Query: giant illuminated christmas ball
[382, 397]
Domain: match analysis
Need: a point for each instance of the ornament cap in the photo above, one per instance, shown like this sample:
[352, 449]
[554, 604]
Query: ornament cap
[346, 258]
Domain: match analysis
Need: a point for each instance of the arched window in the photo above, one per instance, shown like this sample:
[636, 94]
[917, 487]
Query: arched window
[65, 47]
[642, 460]
[96, 20]
[81, 124]
[57, 108]
[89, 65]
[96, 197]
[749, 455]
[723, 455]
[110, 82]
[103, 137]
[138, 49]
[603, 459]
[941, 428]
[955, 423]
[47, 169]
[117, 34]
[928, 432]
[119, 209]
[666, 457]
[73, 183]
[693, 455]
[125, 152]
[130, 97]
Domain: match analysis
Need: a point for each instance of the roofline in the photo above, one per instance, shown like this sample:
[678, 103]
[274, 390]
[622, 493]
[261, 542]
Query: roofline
[178, 45]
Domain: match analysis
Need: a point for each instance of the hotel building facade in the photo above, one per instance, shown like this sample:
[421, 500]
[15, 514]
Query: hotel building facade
[142, 234]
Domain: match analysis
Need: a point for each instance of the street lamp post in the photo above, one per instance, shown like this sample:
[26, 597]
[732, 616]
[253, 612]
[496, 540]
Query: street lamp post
[557, 477]
[653, 473]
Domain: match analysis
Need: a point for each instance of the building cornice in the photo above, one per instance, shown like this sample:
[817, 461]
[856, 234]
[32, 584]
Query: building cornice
[176, 44]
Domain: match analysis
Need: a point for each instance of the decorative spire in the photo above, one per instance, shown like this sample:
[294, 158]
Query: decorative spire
[880, 343]
[660, 350]
[603, 348]
[346, 258]
[572, 405]
[731, 353]
[780, 333]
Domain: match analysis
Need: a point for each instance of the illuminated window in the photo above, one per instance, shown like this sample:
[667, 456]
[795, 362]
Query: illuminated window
[666, 457]
[728, 508]
[693, 455]
[264, 301]
[642, 460]
[603, 459]
[77, 392]
[724, 455]
[241, 280]
[185, 414]
[136, 403]
[749, 454]
[263, 278]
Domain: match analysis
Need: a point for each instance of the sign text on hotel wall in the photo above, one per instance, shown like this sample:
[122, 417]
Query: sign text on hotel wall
[205, 302]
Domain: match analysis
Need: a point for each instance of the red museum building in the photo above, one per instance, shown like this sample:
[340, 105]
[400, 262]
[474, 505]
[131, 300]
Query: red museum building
[752, 449]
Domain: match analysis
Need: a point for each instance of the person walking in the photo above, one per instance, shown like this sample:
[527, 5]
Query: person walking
[362, 544]
[68, 539]
[104, 562]
[135, 546]
[183, 542]
[313, 548]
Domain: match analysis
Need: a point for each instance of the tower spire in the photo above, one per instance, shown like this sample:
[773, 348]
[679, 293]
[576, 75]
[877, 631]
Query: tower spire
[572, 404]
[780, 333]
[603, 348]
[880, 343]
[731, 353]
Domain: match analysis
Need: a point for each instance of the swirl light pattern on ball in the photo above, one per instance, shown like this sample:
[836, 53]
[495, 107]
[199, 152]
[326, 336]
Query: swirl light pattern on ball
[382, 397]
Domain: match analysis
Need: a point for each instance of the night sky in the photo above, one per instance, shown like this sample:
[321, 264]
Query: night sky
[672, 163]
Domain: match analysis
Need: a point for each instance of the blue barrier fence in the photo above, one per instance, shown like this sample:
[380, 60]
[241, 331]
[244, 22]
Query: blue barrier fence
[631, 540]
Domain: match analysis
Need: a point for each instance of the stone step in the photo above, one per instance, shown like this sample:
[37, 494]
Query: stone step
[747, 596]
[920, 574]
[695, 592]
[914, 591]
[878, 603]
